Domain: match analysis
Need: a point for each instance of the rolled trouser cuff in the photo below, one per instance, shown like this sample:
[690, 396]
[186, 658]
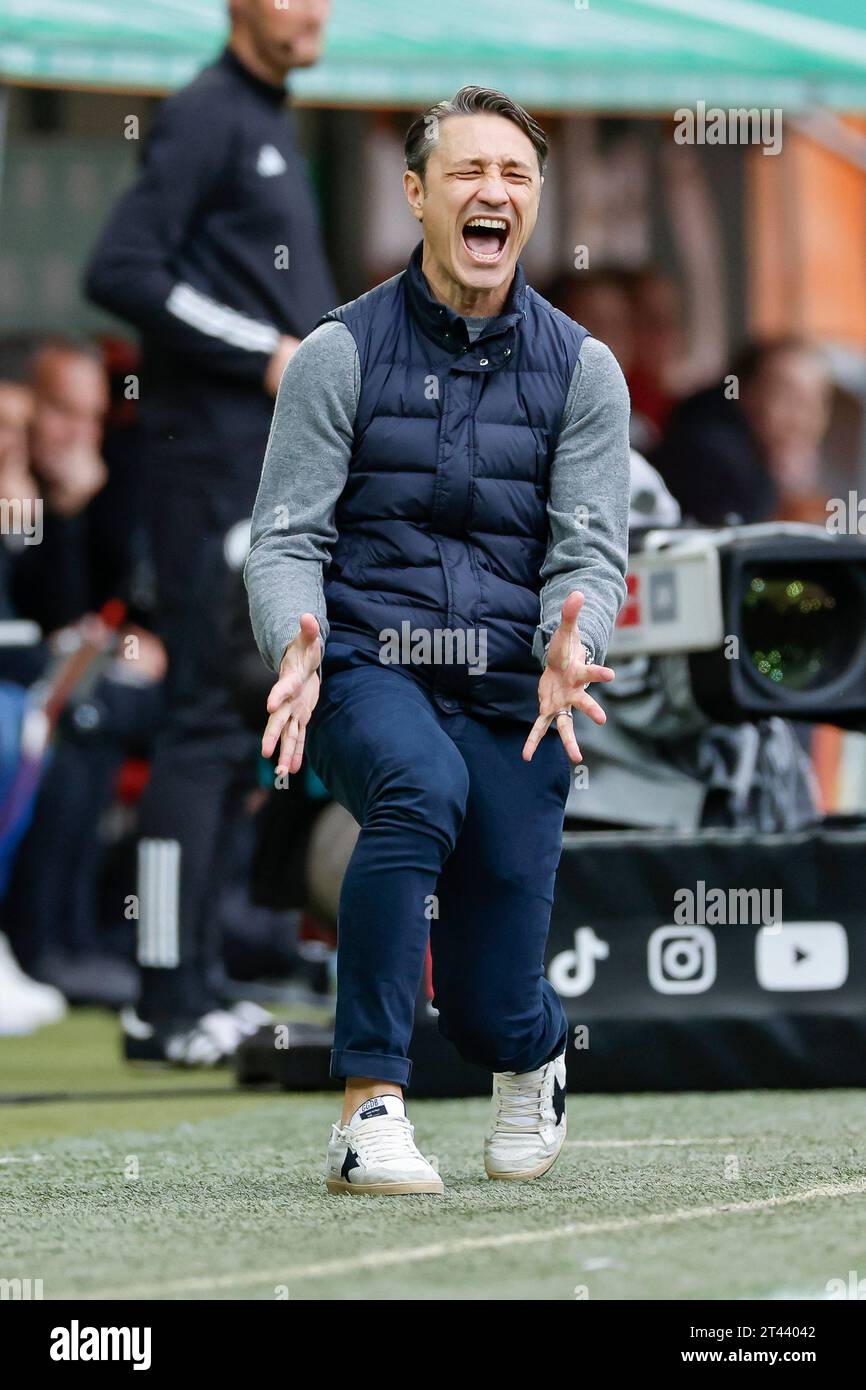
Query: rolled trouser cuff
[376, 1065]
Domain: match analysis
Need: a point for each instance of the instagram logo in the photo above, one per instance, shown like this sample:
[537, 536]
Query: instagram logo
[681, 960]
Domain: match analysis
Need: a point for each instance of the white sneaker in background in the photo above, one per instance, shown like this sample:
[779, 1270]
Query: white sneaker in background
[25, 1005]
[375, 1153]
[527, 1124]
[212, 1042]
[250, 1017]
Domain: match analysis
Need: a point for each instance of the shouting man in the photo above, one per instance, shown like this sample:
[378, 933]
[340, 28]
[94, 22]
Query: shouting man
[442, 519]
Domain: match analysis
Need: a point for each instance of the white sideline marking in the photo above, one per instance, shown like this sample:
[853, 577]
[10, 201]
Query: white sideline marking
[383, 1259]
[653, 1143]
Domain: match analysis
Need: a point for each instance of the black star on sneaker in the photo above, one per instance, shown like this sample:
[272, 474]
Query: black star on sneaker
[349, 1162]
[558, 1099]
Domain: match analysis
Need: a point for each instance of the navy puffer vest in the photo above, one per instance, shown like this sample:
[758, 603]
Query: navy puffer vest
[442, 523]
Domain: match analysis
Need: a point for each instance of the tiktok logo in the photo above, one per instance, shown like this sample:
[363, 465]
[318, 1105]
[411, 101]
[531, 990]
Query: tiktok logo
[573, 972]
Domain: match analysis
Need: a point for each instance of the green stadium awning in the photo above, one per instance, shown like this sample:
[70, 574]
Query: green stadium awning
[569, 55]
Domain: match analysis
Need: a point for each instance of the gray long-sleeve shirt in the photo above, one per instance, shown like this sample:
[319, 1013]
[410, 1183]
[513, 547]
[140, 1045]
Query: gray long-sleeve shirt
[307, 462]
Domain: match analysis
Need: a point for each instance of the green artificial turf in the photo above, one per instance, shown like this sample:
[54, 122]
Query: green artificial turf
[166, 1185]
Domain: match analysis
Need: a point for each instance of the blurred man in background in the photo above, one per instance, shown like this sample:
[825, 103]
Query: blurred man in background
[599, 300]
[16, 416]
[749, 448]
[70, 403]
[215, 255]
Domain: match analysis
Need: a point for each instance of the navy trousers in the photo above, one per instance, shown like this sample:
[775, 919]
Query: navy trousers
[459, 845]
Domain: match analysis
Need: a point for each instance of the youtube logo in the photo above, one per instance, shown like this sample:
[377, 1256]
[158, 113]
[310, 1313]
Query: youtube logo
[802, 956]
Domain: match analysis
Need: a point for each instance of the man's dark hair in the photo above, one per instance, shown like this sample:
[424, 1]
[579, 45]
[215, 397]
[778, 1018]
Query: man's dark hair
[755, 355]
[19, 352]
[422, 135]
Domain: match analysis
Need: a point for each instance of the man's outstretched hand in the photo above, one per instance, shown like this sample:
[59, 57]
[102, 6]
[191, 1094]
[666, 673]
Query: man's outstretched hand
[563, 684]
[293, 698]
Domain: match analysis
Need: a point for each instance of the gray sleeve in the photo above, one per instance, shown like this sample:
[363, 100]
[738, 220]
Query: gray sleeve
[305, 470]
[588, 503]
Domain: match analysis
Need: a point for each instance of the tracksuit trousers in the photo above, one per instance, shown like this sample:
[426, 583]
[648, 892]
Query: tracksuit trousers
[205, 757]
[459, 845]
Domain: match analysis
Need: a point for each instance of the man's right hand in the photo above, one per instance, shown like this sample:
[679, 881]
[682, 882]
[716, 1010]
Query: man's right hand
[293, 698]
[285, 349]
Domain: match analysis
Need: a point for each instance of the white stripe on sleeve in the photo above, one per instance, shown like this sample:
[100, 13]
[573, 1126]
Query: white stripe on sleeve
[218, 321]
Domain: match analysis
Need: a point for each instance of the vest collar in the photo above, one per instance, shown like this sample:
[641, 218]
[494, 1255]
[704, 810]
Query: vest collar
[448, 329]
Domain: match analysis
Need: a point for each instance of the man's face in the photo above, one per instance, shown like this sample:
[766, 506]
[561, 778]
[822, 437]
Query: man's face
[478, 202]
[789, 402]
[16, 414]
[285, 33]
[71, 401]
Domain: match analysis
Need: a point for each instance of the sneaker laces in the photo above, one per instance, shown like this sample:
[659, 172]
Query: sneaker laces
[519, 1103]
[379, 1140]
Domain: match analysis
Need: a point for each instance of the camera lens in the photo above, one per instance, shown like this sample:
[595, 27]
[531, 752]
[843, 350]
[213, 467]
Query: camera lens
[800, 627]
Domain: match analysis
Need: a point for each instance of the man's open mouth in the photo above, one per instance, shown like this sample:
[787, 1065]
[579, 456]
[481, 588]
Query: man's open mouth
[485, 238]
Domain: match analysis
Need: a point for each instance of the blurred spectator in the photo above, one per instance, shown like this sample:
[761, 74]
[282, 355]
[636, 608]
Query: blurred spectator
[639, 316]
[16, 417]
[786, 394]
[70, 401]
[52, 903]
[658, 345]
[749, 448]
[599, 300]
[16, 479]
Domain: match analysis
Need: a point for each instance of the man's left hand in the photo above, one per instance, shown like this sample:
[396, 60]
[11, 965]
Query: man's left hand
[563, 685]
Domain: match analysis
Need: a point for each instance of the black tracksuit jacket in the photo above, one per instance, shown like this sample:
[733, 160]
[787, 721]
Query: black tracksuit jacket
[213, 253]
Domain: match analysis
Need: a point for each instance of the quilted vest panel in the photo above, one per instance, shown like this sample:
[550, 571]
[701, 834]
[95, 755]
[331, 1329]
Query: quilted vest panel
[443, 524]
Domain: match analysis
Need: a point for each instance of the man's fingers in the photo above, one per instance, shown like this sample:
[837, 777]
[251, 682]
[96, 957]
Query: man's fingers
[274, 728]
[571, 612]
[599, 673]
[591, 708]
[287, 688]
[299, 749]
[565, 729]
[536, 734]
[287, 746]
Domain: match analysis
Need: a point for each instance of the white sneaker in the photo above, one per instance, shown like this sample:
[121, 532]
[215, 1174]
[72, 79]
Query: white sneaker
[211, 1042]
[375, 1152]
[527, 1125]
[215, 1039]
[250, 1017]
[25, 1004]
